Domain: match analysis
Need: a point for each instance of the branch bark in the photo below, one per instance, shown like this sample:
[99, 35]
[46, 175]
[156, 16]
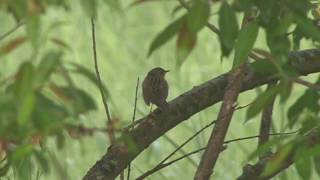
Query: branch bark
[121, 153]
[219, 131]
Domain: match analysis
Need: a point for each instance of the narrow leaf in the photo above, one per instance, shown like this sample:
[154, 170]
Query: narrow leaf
[47, 65]
[198, 16]
[261, 101]
[185, 43]
[228, 28]
[166, 35]
[244, 44]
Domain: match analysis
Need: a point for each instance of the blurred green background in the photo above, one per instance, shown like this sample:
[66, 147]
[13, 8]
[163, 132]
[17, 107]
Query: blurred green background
[123, 39]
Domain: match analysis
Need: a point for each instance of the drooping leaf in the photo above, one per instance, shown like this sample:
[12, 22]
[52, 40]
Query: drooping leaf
[228, 28]
[77, 101]
[185, 43]
[12, 45]
[303, 164]
[198, 16]
[285, 89]
[24, 90]
[308, 28]
[50, 116]
[90, 76]
[47, 65]
[261, 101]
[308, 100]
[244, 43]
[166, 34]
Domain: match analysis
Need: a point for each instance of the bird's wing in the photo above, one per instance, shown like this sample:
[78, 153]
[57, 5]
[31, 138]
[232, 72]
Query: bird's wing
[145, 90]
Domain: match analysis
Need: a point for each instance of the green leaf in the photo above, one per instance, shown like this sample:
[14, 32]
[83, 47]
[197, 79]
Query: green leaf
[166, 34]
[275, 163]
[198, 16]
[285, 89]
[228, 28]
[76, 100]
[261, 102]
[244, 44]
[90, 7]
[24, 90]
[90, 76]
[33, 26]
[48, 117]
[20, 153]
[47, 65]
[316, 161]
[307, 27]
[185, 43]
[303, 164]
[308, 100]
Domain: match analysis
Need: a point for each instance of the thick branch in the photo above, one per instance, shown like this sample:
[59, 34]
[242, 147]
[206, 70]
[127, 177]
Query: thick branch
[182, 108]
[219, 131]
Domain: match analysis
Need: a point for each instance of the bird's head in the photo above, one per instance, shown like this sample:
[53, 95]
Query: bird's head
[158, 71]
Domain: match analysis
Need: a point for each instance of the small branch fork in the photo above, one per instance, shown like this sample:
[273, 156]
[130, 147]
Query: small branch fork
[215, 143]
[162, 164]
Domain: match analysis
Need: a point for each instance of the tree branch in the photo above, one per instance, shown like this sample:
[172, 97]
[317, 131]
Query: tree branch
[253, 172]
[181, 108]
[163, 165]
[219, 131]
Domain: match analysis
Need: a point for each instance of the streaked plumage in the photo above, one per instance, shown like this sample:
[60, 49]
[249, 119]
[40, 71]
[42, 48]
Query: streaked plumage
[155, 88]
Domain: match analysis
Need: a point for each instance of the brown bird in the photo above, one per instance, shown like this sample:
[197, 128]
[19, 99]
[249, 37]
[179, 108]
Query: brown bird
[155, 88]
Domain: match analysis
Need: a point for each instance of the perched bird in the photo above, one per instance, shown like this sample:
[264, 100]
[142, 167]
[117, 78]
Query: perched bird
[155, 88]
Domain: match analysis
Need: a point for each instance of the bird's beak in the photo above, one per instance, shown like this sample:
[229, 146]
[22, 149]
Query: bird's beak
[167, 71]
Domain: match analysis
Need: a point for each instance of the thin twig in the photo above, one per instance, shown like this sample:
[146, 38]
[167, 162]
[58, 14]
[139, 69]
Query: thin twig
[257, 136]
[163, 165]
[19, 24]
[104, 100]
[306, 83]
[133, 118]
